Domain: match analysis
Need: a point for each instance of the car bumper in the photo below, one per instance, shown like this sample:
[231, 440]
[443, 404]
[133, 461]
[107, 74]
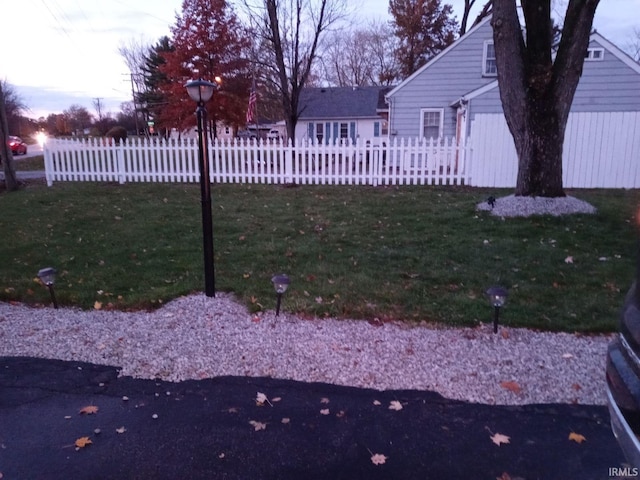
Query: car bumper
[622, 431]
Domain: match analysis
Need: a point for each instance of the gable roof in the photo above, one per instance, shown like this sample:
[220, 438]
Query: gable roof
[439, 56]
[342, 102]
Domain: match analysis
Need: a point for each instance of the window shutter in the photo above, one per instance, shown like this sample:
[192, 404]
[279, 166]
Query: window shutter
[352, 131]
[327, 133]
[310, 130]
[336, 131]
[376, 129]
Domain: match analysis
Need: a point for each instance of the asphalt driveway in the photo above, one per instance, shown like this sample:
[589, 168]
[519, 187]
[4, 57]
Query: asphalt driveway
[222, 428]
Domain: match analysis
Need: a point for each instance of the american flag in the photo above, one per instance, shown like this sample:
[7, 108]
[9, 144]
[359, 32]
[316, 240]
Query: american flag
[251, 109]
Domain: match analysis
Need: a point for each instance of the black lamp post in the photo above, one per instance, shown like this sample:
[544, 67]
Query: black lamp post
[280, 284]
[48, 277]
[497, 298]
[201, 92]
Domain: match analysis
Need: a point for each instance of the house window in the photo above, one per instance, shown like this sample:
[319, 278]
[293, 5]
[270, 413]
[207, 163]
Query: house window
[227, 130]
[344, 130]
[594, 54]
[431, 122]
[489, 67]
[319, 132]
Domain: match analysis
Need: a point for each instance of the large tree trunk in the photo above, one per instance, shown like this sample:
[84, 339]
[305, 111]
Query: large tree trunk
[537, 90]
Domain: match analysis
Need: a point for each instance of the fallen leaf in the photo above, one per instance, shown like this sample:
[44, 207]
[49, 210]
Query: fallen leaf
[576, 386]
[378, 459]
[121, 430]
[89, 410]
[569, 259]
[505, 333]
[377, 402]
[97, 305]
[246, 275]
[504, 476]
[395, 405]
[83, 442]
[276, 399]
[285, 420]
[511, 386]
[258, 425]
[261, 399]
[567, 355]
[576, 437]
[324, 400]
[325, 411]
[499, 439]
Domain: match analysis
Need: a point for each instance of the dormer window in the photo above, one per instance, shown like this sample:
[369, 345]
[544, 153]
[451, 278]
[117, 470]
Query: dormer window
[489, 67]
[594, 54]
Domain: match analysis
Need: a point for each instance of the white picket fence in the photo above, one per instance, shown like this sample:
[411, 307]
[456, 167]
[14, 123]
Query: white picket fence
[372, 162]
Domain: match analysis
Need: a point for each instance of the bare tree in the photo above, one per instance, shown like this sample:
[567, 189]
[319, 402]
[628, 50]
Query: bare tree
[633, 46]
[364, 56]
[6, 156]
[537, 84]
[468, 5]
[290, 33]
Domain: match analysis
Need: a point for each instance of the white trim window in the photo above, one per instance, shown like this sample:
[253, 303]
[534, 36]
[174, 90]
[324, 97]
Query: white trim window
[489, 66]
[594, 54]
[431, 122]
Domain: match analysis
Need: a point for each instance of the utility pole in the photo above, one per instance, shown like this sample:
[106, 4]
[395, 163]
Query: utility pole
[98, 107]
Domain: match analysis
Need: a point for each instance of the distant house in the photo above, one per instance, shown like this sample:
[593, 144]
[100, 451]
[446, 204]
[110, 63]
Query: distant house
[328, 115]
[456, 95]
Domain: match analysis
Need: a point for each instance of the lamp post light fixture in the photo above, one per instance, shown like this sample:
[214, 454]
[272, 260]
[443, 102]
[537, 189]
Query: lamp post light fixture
[48, 277]
[280, 284]
[201, 92]
[497, 298]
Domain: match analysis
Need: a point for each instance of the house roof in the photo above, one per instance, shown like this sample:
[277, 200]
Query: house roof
[342, 102]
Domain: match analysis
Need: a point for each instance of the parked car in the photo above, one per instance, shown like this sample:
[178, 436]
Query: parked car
[246, 134]
[18, 147]
[623, 378]
[274, 134]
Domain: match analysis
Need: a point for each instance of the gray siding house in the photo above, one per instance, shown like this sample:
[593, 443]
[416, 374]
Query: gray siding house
[445, 96]
[332, 114]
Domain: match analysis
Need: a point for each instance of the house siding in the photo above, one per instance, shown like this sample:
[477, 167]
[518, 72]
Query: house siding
[441, 83]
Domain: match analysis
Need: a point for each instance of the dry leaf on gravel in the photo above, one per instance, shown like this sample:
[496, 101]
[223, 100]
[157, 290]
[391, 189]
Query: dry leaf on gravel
[511, 386]
[499, 439]
[395, 405]
[576, 437]
[378, 459]
[89, 410]
[121, 430]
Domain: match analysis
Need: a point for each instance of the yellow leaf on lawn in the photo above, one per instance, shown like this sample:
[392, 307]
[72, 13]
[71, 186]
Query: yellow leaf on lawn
[499, 439]
[576, 437]
[88, 410]
[83, 442]
[97, 305]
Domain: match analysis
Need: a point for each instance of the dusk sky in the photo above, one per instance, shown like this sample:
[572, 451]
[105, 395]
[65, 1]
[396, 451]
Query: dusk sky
[57, 53]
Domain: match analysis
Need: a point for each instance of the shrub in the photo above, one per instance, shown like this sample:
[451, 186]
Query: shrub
[117, 133]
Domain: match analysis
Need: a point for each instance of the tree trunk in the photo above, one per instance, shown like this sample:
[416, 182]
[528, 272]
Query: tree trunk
[6, 156]
[540, 152]
[537, 89]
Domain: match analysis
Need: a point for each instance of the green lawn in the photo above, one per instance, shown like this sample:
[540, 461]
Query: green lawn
[412, 253]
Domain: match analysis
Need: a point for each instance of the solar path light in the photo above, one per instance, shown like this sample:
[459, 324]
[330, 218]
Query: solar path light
[48, 277]
[280, 284]
[497, 298]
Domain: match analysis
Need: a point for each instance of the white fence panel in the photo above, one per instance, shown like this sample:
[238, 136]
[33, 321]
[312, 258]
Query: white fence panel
[601, 150]
[366, 162]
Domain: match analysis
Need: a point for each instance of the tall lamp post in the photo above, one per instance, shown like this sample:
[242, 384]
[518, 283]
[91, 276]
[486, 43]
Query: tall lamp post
[201, 92]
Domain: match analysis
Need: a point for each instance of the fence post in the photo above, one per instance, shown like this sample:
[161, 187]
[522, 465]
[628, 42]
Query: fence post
[120, 161]
[288, 162]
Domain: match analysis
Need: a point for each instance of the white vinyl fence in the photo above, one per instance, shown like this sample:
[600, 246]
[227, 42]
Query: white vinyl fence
[601, 150]
[372, 162]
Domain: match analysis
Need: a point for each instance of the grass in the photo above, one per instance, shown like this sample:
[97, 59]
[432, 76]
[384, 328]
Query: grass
[21, 164]
[411, 253]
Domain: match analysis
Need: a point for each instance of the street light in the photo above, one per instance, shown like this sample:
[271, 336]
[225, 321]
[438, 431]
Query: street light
[280, 284]
[48, 277]
[201, 92]
[497, 298]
